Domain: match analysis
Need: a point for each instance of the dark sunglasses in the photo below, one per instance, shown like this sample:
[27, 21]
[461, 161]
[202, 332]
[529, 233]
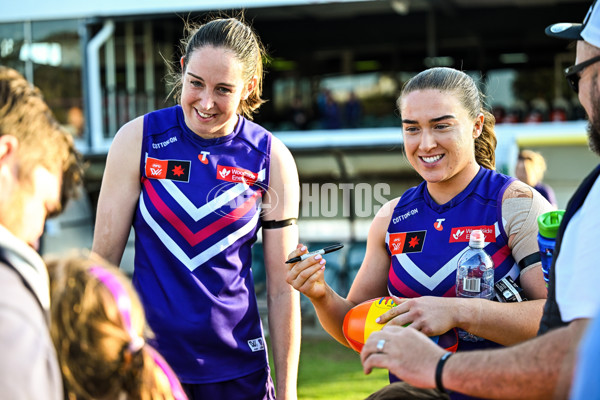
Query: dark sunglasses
[573, 73]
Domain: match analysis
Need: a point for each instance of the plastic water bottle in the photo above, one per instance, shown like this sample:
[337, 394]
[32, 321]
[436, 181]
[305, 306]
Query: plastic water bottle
[475, 275]
[548, 224]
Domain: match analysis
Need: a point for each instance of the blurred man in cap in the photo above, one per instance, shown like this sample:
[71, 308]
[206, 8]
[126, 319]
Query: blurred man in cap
[543, 366]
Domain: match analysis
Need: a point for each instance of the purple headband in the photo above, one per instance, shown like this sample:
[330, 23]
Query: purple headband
[124, 305]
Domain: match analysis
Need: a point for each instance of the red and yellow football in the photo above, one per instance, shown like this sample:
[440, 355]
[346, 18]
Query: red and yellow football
[359, 323]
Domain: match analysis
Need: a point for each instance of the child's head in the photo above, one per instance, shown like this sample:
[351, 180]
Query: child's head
[97, 328]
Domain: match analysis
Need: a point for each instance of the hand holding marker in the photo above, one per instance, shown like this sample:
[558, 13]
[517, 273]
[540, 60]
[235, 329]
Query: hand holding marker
[325, 250]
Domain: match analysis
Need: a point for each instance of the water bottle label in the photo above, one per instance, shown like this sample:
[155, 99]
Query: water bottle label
[472, 285]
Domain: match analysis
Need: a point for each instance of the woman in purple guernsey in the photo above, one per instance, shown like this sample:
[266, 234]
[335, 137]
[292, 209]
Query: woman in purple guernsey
[197, 181]
[415, 241]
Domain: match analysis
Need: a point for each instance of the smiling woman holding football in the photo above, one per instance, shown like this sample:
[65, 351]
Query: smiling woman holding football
[415, 241]
[192, 180]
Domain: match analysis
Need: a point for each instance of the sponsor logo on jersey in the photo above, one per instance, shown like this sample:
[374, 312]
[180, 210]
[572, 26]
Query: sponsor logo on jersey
[256, 344]
[463, 233]
[405, 216]
[203, 157]
[406, 242]
[165, 143]
[438, 224]
[236, 175]
[175, 170]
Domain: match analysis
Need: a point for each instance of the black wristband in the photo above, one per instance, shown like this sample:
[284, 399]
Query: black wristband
[438, 371]
[272, 224]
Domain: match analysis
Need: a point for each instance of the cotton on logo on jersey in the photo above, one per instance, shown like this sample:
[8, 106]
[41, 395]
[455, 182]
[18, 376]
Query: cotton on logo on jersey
[463, 233]
[175, 170]
[406, 242]
[236, 175]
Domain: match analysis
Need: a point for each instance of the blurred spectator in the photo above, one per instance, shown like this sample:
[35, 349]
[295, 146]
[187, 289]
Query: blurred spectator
[330, 113]
[499, 113]
[539, 110]
[516, 112]
[560, 110]
[322, 101]
[353, 111]
[75, 122]
[558, 115]
[299, 115]
[530, 169]
[534, 116]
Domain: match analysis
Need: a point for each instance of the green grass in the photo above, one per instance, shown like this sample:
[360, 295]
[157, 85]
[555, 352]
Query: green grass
[331, 371]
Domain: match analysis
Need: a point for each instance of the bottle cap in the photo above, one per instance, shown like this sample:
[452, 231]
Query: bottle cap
[477, 239]
[549, 222]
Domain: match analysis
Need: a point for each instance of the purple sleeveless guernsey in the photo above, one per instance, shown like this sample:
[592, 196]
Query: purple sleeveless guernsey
[426, 239]
[196, 221]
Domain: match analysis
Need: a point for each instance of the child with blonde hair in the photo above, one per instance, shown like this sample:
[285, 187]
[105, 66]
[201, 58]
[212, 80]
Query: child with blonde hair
[97, 327]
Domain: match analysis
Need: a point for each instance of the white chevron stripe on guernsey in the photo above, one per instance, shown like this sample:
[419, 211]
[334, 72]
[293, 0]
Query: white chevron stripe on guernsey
[200, 212]
[431, 282]
[193, 263]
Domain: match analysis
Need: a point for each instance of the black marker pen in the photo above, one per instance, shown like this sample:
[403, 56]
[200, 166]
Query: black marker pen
[325, 250]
